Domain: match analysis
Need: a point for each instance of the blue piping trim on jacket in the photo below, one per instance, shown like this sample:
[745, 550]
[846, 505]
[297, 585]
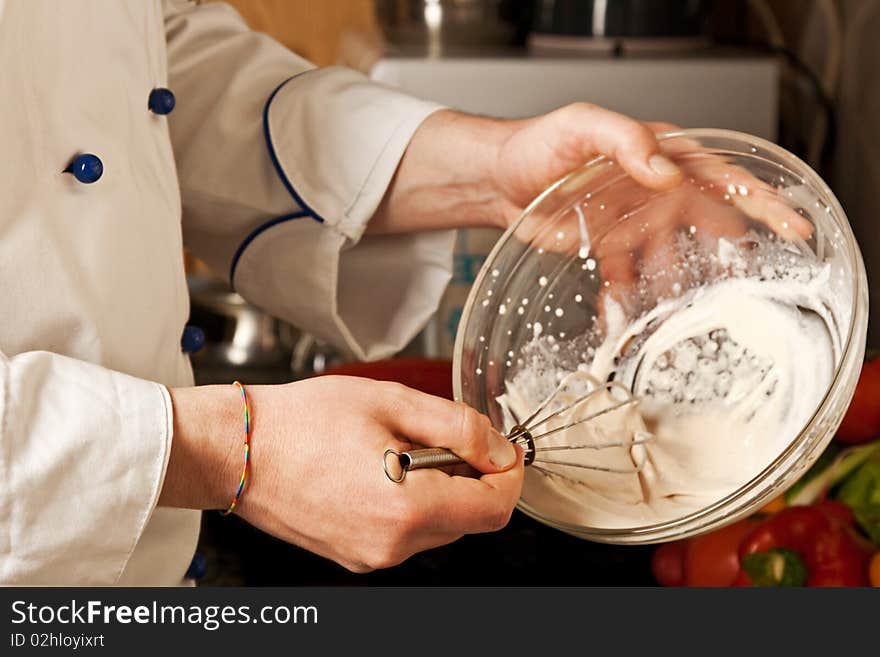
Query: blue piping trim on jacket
[255, 233]
[269, 145]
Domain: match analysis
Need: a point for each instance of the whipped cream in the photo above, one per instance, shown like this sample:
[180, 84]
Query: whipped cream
[727, 375]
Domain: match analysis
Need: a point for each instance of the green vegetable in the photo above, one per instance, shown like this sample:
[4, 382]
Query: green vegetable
[775, 567]
[832, 467]
[861, 492]
[868, 518]
[820, 468]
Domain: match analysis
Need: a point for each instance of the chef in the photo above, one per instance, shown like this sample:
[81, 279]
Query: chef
[133, 128]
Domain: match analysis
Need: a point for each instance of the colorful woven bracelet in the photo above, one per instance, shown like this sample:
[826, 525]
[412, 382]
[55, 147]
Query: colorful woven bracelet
[247, 449]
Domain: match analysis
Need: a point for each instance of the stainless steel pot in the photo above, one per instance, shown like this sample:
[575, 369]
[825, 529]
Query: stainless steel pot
[238, 334]
[441, 27]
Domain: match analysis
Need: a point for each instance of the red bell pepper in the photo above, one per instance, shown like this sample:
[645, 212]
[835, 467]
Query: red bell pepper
[862, 420]
[707, 560]
[814, 545]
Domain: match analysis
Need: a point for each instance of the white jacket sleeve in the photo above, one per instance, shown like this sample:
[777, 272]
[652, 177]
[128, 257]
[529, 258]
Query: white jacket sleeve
[281, 166]
[83, 452]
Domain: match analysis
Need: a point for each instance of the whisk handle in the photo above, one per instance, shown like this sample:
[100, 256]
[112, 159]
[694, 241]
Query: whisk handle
[397, 464]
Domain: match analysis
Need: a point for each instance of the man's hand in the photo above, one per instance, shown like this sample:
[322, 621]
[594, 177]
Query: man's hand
[538, 152]
[467, 171]
[462, 170]
[316, 476]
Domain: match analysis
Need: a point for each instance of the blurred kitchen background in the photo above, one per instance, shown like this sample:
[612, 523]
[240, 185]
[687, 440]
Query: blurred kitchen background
[803, 73]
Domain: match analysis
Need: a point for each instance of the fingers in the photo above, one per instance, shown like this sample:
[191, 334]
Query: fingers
[632, 144]
[619, 280]
[437, 422]
[713, 220]
[636, 149]
[439, 509]
[770, 210]
[620, 252]
[753, 197]
[431, 508]
[461, 505]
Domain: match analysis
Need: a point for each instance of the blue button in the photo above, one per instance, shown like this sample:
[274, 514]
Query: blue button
[161, 101]
[198, 567]
[86, 168]
[193, 339]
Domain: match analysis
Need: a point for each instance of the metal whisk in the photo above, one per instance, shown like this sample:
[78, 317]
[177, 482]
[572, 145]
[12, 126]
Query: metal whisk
[529, 432]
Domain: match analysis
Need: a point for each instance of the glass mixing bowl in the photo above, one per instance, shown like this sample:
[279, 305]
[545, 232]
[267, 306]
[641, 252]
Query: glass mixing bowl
[598, 235]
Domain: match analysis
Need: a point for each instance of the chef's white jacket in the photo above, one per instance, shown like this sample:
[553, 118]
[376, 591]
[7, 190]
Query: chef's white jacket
[275, 168]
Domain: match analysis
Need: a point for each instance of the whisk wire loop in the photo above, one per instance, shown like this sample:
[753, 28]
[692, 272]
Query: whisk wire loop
[526, 433]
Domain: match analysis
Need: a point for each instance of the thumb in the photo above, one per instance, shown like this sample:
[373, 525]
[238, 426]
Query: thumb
[478, 443]
[631, 143]
[436, 422]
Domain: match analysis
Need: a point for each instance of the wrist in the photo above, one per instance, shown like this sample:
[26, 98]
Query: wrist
[473, 145]
[448, 177]
[205, 461]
